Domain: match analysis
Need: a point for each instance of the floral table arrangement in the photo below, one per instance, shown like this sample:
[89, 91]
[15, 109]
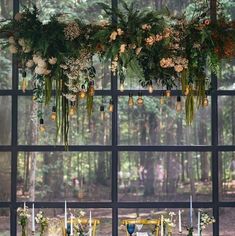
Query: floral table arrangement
[42, 221]
[174, 52]
[23, 216]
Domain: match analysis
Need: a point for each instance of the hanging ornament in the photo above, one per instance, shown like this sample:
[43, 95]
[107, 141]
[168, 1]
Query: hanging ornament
[102, 114]
[91, 88]
[178, 104]
[41, 126]
[111, 105]
[140, 100]
[168, 91]
[24, 82]
[53, 113]
[121, 85]
[82, 93]
[131, 100]
[150, 86]
[186, 91]
[205, 102]
[72, 109]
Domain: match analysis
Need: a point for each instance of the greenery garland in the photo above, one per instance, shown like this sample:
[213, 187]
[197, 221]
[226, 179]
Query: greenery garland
[155, 46]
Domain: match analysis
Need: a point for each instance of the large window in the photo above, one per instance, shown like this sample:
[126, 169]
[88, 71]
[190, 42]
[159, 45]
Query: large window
[134, 162]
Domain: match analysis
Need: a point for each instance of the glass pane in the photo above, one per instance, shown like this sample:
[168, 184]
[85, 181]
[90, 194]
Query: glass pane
[5, 176]
[6, 70]
[175, 6]
[5, 120]
[88, 11]
[226, 80]
[155, 214]
[226, 123]
[83, 131]
[227, 176]
[55, 217]
[156, 124]
[6, 9]
[164, 176]
[228, 9]
[56, 176]
[226, 221]
[4, 222]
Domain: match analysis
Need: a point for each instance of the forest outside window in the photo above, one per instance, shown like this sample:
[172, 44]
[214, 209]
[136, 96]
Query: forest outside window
[125, 159]
[56, 176]
[164, 176]
[158, 123]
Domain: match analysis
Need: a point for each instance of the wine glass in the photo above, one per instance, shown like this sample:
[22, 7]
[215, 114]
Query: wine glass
[139, 227]
[68, 229]
[130, 228]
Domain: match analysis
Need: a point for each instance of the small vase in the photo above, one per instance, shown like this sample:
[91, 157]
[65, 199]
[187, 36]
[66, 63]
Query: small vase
[43, 232]
[190, 232]
[169, 231]
[24, 230]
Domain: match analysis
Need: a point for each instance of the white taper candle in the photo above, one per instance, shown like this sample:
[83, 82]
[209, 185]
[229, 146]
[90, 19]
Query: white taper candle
[191, 211]
[71, 224]
[180, 223]
[198, 223]
[33, 219]
[65, 215]
[90, 225]
[162, 226]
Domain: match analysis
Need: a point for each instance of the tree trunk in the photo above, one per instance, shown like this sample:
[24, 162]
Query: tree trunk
[202, 135]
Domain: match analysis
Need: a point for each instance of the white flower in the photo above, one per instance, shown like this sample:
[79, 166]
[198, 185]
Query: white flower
[13, 49]
[39, 70]
[11, 40]
[36, 58]
[82, 213]
[120, 31]
[167, 220]
[22, 42]
[29, 63]
[70, 97]
[26, 49]
[42, 63]
[172, 213]
[18, 16]
[47, 72]
[52, 60]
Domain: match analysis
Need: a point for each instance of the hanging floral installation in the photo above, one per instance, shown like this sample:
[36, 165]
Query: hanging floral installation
[160, 49]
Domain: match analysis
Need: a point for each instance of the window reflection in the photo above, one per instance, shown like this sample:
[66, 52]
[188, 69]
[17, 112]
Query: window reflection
[84, 176]
[158, 123]
[5, 176]
[4, 222]
[226, 115]
[5, 120]
[227, 176]
[159, 176]
[88, 11]
[83, 130]
[227, 218]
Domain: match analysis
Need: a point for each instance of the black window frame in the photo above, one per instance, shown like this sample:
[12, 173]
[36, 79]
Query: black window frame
[214, 148]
